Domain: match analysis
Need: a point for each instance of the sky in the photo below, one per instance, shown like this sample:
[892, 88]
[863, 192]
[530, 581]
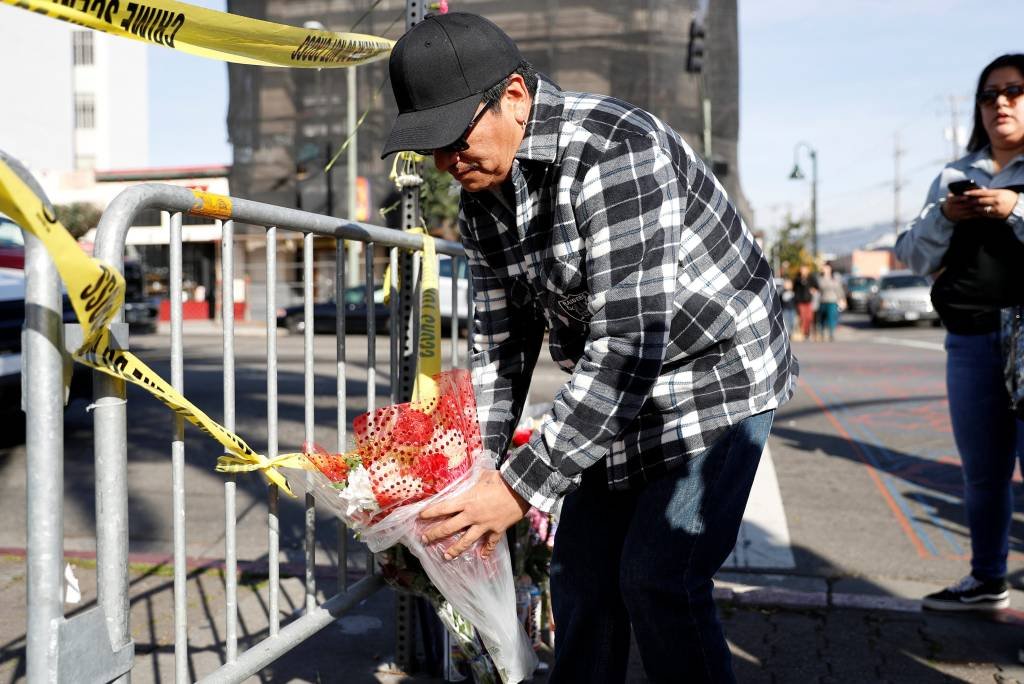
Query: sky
[846, 78]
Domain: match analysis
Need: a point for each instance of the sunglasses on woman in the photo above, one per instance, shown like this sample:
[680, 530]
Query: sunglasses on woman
[460, 144]
[989, 96]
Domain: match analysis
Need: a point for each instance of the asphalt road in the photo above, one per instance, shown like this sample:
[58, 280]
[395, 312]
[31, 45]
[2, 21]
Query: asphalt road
[864, 457]
[867, 467]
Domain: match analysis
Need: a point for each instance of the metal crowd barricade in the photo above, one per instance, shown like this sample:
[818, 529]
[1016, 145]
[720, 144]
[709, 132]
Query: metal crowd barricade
[77, 649]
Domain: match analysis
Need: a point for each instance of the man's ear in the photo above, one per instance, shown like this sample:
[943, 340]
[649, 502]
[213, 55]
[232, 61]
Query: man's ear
[517, 98]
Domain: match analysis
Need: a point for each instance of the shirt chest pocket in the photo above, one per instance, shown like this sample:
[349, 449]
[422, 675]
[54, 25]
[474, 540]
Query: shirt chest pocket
[566, 286]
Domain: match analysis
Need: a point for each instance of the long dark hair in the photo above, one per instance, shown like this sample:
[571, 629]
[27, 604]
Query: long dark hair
[979, 137]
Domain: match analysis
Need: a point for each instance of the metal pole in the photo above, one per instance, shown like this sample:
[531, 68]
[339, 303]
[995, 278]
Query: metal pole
[178, 463]
[227, 308]
[706, 115]
[44, 444]
[308, 379]
[897, 185]
[352, 169]
[273, 521]
[814, 201]
[110, 445]
[342, 395]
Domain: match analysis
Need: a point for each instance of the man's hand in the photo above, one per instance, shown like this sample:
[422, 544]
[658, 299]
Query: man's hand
[488, 509]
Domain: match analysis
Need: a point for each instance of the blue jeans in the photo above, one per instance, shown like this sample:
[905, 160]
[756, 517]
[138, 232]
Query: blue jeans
[990, 439]
[647, 557]
[828, 318]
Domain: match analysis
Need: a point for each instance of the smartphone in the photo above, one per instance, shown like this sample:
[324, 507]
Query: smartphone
[962, 186]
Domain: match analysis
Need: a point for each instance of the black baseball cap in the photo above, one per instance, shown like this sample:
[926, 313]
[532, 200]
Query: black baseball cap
[439, 69]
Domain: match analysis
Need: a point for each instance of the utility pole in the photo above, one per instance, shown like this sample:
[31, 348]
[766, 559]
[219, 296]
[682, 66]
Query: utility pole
[354, 247]
[404, 345]
[955, 132]
[897, 185]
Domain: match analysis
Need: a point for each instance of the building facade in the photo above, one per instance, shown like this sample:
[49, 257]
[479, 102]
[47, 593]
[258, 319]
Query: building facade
[284, 123]
[79, 102]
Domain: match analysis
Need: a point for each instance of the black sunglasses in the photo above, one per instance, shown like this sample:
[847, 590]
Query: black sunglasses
[460, 144]
[988, 97]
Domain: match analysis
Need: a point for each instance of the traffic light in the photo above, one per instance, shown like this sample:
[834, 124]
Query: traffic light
[695, 52]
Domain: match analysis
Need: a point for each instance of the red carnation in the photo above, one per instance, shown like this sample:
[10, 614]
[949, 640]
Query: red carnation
[413, 427]
[432, 468]
[333, 466]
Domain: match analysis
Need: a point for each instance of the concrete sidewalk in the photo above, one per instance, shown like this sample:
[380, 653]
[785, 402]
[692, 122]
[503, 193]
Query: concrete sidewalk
[781, 629]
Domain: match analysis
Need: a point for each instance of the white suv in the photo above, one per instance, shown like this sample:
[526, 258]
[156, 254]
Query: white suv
[444, 272]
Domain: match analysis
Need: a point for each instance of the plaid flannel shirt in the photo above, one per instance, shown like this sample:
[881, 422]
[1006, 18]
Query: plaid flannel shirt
[658, 302]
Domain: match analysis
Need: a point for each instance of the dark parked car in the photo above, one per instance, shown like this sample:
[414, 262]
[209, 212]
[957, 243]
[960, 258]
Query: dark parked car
[140, 313]
[12, 320]
[858, 291]
[325, 314]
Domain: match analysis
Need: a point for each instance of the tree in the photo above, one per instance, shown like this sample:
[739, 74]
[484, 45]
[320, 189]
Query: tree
[78, 217]
[791, 246]
[439, 201]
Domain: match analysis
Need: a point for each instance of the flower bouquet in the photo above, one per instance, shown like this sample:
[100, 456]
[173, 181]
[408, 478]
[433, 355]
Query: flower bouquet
[401, 570]
[408, 457]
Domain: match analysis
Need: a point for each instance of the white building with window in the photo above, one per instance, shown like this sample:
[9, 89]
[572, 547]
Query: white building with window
[73, 98]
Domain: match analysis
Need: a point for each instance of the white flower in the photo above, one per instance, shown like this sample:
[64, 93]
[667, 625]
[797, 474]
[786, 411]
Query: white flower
[358, 493]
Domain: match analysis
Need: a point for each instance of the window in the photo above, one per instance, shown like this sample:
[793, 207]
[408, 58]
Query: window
[85, 111]
[81, 45]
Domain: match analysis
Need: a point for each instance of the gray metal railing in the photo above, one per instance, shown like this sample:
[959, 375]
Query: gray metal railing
[77, 649]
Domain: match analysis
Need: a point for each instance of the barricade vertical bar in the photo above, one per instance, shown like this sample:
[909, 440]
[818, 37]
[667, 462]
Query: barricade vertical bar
[342, 418]
[455, 311]
[110, 446]
[273, 522]
[371, 353]
[178, 462]
[470, 313]
[227, 306]
[307, 365]
[44, 444]
[396, 313]
[371, 332]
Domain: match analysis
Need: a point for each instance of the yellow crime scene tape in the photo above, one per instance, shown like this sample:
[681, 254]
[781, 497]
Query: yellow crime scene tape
[428, 363]
[96, 291]
[217, 35]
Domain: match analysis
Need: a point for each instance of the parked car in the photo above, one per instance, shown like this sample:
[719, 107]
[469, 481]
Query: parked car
[12, 320]
[141, 314]
[12, 244]
[901, 296]
[325, 314]
[444, 293]
[858, 292]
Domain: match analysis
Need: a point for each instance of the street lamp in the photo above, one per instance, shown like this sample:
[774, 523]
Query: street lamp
[797, 174]
[353, 249]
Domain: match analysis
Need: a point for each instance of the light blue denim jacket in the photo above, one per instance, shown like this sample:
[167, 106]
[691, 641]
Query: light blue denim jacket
[926, 239]
[923, 244]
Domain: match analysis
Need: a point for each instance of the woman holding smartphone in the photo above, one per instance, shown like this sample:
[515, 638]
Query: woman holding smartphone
[970, 234]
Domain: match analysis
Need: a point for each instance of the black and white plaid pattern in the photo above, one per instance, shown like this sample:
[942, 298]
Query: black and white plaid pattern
[657, 300]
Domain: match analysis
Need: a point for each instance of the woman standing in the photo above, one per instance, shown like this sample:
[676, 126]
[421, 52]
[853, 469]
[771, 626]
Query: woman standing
[832, 297]
[805, 287]
[976, 238]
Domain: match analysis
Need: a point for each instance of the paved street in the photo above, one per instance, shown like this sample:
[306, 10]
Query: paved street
[856, 513]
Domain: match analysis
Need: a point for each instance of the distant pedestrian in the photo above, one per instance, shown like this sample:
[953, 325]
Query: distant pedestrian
[788, 305]
[831, 301]
[590, 223]
[975, 237]
[805, 289]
